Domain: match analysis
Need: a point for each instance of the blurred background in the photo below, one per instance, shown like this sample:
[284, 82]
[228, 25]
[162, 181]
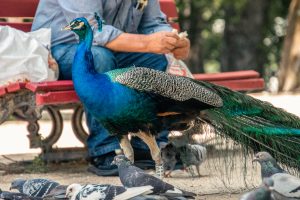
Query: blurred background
[227, 35]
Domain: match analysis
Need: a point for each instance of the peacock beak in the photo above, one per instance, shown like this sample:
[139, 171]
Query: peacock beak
[66, 28]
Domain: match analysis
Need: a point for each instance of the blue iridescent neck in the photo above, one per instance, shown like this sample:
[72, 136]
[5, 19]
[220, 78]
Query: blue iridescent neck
[86, 37]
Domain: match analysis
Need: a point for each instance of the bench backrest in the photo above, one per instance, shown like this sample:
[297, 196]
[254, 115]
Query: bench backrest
[27, 8]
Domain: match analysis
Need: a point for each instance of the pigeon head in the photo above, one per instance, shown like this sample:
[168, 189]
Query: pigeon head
[80, 26]
[263, 157]
[121, 159]
[73, 190]
[268, 164]
[17, 184]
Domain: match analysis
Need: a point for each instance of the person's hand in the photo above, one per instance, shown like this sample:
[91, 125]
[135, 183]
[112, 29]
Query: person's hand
[161, 42]
[182, 49]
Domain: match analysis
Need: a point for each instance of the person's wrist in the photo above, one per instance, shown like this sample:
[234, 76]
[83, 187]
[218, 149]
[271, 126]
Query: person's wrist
[146, 41]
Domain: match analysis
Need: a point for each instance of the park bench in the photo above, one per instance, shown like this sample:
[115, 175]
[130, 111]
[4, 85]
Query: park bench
[26, 101]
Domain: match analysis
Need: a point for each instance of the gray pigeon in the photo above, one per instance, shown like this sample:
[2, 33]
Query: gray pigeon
[268, 164]
[132, 176]
[57, 193]
[104, 192]
[261, 193]
[286, 186]
[169, 156]
[34, 187]
[192, 154]
[182, 138]
[16, 196]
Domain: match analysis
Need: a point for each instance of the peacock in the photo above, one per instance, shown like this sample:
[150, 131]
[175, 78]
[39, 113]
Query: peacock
[144, 102]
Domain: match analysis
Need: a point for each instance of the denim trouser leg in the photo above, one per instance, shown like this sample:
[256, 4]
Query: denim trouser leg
[99, 141]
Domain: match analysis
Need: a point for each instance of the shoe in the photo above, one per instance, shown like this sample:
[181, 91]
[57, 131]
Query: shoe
[101, 165]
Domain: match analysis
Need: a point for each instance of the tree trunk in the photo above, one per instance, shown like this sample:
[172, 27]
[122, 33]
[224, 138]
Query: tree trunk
[187, 22]
[243, 37]
[289, 73]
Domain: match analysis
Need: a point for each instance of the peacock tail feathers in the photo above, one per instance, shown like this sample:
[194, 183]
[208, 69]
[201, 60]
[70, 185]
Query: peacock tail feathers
[256, 124]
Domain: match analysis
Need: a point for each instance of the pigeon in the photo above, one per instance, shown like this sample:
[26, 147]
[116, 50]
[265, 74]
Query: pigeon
[132, 176]
[268, 164]
[261, 193]
[16, 196]
[182, 138]
[169, 156]
[192, 154]
[104, 192]
[58, 193]
[286, 186]
[34, 187]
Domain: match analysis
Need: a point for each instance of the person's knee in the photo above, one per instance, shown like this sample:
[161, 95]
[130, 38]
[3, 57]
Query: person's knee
[158, 62]
[104, 60]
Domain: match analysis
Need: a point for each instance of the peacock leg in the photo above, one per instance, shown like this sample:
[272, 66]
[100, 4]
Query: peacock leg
[127, 148]
[198, 170]
[155, 152]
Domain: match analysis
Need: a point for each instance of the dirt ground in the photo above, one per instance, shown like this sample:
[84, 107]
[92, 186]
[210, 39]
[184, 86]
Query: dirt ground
[223, 176]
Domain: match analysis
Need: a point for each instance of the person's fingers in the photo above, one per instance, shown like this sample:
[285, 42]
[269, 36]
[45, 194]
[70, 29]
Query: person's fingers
[173, 35]
[171, 41]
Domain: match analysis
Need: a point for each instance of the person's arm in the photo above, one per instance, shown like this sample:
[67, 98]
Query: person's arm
[161, 42]
[78, 8]
[154, 20]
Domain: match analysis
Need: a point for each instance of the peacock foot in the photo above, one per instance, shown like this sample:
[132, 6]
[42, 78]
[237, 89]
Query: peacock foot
[159, 170]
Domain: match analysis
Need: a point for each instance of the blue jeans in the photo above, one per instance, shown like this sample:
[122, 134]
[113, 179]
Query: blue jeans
[99, 141]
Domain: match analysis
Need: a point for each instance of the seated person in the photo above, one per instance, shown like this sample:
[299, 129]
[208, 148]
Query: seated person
[135, 33]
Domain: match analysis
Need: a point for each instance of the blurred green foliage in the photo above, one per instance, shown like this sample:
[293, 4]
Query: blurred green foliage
[206, 20]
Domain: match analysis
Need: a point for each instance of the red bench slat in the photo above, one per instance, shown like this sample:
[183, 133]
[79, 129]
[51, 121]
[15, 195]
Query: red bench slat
[13, 87]
[2, 91]
[18, 8]
[50, 86]
[26, 26]
[227, 75]
[242, 84]
[169, 8]
[60, 97]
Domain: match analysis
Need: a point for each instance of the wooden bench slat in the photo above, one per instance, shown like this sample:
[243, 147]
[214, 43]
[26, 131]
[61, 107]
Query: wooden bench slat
[227, 75]
[2, 91]
[59, 97]
[65, 97]
[50, 86]
[18, 8]
[169, 8]
[26, 26]
[13, 87]
[242, 84]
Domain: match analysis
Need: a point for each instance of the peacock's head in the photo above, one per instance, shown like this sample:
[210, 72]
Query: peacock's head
[78, 26]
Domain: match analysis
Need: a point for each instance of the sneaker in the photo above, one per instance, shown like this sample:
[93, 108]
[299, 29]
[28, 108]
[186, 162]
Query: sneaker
[101, 165]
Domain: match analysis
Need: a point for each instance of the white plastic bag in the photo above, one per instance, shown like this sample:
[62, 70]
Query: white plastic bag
[24, 56]
[178, 67]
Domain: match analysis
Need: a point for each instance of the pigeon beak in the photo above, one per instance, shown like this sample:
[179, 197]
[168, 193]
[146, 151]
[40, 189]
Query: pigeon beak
[255, 159]
[113, 163]
[271, 188]
[66, 28]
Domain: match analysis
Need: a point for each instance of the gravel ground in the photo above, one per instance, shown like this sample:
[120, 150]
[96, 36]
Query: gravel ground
[218, 181]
